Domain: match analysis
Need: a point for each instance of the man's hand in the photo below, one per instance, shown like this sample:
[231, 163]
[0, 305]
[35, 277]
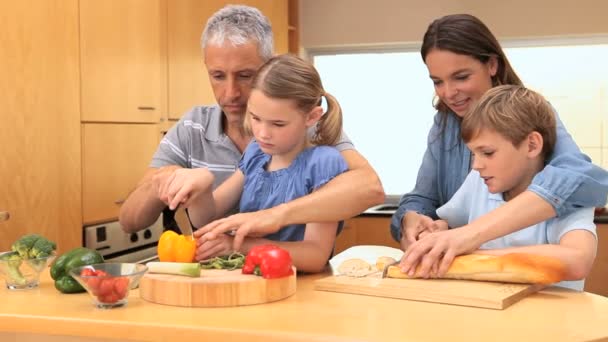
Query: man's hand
[184, 185]
[205, 248]
[160, 177]
[258, 223]
[437, 250]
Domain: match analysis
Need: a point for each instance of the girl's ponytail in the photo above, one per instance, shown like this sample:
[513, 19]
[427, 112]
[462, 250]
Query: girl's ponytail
[329, 127]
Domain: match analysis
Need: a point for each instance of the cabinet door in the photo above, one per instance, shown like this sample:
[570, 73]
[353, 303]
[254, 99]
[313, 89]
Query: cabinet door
[375, 230]
[188, 81]
[347, 237]
[40, 183]
[115, 157]
[597, 281]
[365, 230]
[123, 60]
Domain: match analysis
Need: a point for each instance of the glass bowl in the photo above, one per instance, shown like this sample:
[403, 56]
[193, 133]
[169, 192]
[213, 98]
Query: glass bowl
[22, 274]
[109, 283]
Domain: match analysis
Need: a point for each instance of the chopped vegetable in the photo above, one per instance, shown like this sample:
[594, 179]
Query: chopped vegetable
[33, 246]
[190, 269]
[269, 261]
[226, 262]
[106, 288]
[28, 248]
[13, 261]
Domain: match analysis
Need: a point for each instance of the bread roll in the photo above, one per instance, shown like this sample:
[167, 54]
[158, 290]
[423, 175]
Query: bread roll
[509, 268]
[355, 268]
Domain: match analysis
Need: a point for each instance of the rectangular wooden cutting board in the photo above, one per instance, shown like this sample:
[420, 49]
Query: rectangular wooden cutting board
[460, 292]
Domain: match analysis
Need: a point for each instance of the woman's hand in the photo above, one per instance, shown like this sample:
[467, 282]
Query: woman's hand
[414, 225]
[206, 249]
[184, 185]
[437, 250]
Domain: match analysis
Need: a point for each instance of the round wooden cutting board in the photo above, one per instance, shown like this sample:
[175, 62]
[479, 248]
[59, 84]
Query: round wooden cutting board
[215, 288]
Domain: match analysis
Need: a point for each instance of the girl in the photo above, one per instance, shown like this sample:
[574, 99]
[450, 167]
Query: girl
[465, 60]
[281, 164]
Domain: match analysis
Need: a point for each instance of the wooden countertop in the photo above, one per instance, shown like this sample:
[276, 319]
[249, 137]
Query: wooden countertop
[551, 315]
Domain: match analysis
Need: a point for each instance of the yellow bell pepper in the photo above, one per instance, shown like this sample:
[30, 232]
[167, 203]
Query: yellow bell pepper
[175, 247]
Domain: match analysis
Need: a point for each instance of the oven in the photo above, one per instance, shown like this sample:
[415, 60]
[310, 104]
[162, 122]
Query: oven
[117, 246]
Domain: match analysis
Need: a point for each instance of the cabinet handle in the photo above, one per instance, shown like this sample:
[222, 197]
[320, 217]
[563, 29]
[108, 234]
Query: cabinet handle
[146, 108]
[120, 201]
[4, 215]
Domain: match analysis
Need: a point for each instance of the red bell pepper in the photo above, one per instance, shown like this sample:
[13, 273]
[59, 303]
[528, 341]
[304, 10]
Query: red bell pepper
[269, 261]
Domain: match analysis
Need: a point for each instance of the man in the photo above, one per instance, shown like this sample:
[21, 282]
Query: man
[236, 41]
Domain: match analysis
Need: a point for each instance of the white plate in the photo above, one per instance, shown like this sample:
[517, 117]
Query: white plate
[368, 253]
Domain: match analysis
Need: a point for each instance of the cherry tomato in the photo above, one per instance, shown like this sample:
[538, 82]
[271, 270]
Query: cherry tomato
[87, 272]
[121, 287]
[108, 298]
[101, 273]
[106, 286]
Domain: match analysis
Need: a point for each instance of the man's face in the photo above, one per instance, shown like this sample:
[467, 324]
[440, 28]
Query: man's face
[231, 70]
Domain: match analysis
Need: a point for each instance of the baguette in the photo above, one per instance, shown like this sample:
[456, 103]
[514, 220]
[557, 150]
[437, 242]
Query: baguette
[509, 268]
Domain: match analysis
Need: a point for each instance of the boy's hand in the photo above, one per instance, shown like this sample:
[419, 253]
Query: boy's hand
[438, 247]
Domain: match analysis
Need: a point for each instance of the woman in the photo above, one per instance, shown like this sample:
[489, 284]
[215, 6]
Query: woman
[464, 60]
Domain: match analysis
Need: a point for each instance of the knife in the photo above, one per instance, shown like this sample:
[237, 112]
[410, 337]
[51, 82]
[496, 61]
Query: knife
[385, 269]
[183, 222]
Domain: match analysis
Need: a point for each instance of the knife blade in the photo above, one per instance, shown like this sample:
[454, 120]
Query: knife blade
[385, 269]
[183, 222]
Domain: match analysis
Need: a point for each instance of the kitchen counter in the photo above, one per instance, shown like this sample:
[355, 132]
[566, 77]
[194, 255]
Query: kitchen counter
[309, 315]
[389, 210]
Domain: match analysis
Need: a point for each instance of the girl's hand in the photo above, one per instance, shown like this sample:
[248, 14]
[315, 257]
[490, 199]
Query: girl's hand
[256, 224]
[184, 185]
[206, 249]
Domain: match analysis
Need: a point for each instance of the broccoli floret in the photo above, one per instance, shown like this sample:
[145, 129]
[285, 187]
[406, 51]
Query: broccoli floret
[42, 248]
[13, 261]
[33, 246]
[24, 244]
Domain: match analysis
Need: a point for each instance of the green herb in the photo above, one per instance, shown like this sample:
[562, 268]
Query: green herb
[225, 262]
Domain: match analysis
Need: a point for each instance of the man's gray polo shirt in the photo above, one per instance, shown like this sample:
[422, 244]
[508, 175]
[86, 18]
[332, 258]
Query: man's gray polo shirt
[198, 140]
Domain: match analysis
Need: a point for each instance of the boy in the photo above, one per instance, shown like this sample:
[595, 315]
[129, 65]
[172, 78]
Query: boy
[511, 133]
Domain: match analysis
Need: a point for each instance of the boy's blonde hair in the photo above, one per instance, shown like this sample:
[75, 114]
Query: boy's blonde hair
[292, 78]
[513, 112]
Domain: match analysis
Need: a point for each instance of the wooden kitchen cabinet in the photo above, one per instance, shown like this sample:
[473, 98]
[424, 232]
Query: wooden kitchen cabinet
[123, 60]
[365, 230]
[115, 157]
[597, 281]
[187, 80]
[40, 182]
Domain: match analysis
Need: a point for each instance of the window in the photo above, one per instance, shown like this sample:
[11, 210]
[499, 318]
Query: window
[386, 97]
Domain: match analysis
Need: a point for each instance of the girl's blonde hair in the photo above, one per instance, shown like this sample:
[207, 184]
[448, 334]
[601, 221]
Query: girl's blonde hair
[513, 112]
[292, 78]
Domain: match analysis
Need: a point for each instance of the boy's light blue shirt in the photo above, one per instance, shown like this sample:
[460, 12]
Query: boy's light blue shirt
[473, 200]
[569, 182]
